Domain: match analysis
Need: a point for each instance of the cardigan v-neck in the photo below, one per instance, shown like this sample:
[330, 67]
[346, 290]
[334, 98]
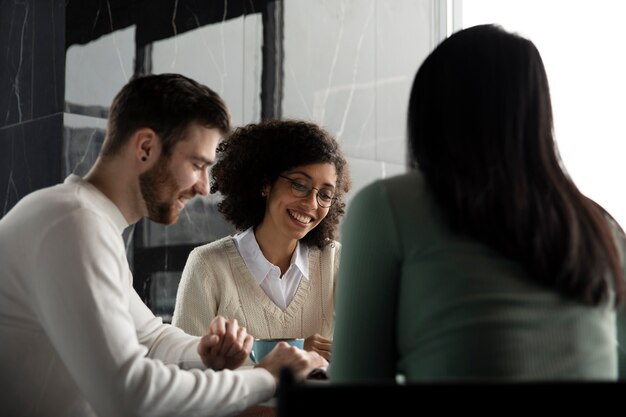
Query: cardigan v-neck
[216, 281]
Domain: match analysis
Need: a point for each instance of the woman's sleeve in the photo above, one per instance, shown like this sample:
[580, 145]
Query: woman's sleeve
[195, 305]
[365, 332]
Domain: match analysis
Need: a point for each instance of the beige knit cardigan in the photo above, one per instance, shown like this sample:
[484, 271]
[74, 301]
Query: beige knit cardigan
[216, 281]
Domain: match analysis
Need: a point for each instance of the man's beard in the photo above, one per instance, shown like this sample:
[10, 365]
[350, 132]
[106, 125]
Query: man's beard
[157, 182]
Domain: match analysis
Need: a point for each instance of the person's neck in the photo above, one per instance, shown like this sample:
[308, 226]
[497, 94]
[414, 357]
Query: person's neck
[275, 248]
[112, 177]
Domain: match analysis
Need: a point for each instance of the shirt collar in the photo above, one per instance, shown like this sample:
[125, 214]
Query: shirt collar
[102, 201]
[259, 265]
[301, 261]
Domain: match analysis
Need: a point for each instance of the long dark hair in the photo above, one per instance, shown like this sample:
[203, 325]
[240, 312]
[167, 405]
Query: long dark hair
[481, 132]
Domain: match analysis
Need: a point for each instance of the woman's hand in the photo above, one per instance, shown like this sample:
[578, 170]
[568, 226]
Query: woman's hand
[300, 362]
[318, 343]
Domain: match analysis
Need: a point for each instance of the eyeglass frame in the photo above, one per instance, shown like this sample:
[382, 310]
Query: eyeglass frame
[296, 193]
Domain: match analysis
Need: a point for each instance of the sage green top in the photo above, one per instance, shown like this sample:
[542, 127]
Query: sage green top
[416, 299]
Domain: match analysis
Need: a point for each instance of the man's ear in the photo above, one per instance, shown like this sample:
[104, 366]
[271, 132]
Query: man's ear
[146, 144]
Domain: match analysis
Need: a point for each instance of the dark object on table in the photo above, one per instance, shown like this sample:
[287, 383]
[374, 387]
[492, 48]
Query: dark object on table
[315, 399]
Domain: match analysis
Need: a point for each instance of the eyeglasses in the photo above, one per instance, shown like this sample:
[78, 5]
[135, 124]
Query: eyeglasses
[325, 196]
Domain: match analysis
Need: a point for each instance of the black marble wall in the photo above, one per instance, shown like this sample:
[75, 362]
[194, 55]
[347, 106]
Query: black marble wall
[32, 76]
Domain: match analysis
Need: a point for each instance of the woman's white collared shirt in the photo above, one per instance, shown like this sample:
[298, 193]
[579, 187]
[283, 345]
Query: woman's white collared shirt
[280, 290]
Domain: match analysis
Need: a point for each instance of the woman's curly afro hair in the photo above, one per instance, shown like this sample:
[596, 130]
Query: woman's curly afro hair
[254, 155]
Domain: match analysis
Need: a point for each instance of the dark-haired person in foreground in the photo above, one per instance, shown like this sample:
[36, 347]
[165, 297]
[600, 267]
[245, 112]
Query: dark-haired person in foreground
[75, 338]
[485, 262]
[283, 183]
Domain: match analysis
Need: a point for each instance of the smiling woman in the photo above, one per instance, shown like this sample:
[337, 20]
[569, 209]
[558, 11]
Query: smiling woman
[283, 184]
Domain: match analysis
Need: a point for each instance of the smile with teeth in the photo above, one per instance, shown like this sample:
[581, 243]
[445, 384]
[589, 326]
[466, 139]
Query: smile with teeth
[300, 217]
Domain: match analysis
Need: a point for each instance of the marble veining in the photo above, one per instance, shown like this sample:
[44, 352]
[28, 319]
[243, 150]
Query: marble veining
[223, 40]
[54, 69]
[16, 77]
[117, 49]
[333, 65]
[355, 69]
[10, 188]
